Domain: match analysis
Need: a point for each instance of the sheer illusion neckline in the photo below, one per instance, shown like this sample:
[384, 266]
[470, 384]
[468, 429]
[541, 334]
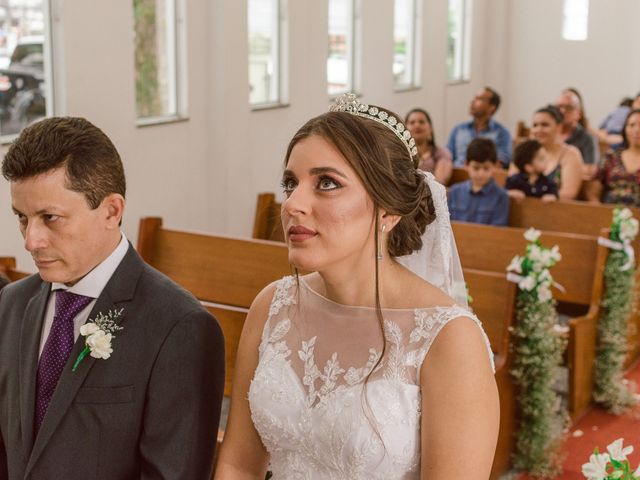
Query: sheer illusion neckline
[330, 302]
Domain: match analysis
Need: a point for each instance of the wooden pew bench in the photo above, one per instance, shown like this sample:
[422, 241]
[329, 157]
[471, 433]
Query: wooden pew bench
[582, 218]
[580, 272]
[8, 270]
[224, 273]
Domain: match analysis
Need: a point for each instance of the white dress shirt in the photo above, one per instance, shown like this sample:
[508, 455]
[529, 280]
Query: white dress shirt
[91, 285]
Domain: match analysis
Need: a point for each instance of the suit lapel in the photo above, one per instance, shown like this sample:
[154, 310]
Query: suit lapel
[119, 290]
[30, 333]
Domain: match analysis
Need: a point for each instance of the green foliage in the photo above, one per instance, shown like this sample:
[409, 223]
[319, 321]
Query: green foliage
[538, 352]
[610, 391]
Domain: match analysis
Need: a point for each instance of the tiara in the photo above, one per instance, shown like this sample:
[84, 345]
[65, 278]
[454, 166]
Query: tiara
[348, 102]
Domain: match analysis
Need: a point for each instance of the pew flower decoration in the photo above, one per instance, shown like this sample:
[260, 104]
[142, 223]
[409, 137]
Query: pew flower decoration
[612, 465]
[531, 271]
[99, 333]
[611, 391]
[538, 355]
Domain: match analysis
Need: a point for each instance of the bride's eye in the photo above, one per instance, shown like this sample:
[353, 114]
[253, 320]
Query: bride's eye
[328, 184]
[288, 185]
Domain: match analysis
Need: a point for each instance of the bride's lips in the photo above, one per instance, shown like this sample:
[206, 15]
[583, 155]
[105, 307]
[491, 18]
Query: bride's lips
[299, 233]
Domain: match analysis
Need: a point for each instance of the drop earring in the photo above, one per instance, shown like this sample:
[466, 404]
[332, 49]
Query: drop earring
[382, 229]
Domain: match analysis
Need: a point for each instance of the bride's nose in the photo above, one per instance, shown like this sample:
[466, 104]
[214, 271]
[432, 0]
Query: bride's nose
[299, 200]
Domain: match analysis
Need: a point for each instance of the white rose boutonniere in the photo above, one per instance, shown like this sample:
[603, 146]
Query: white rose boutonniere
[99, 333]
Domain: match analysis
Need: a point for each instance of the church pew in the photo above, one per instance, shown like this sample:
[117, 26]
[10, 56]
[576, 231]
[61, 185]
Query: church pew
[224, 273]
[8, 269]
[460, 174]
[583, 218]
[580, 272]
[494, 304]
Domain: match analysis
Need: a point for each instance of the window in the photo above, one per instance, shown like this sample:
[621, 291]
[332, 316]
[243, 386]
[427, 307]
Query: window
[342, 48]
[459, 40]
[25, 64]
[266, 59]
[405, 38]
[157, 39]
[575, 24]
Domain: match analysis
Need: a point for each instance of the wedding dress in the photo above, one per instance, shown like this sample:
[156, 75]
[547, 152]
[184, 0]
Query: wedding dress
[308, 398]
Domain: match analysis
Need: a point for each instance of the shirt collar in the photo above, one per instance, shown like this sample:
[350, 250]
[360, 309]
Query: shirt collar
[484, 190]
[490, 126]
[92, 284]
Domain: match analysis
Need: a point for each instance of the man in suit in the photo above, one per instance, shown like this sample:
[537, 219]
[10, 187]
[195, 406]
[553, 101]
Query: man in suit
[148, 406]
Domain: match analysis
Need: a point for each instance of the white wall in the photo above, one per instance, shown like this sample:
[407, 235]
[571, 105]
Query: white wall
[204, 173]
[604, 68]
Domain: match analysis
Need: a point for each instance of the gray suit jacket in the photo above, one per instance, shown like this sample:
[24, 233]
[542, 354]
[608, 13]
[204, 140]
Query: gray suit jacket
[150, 411]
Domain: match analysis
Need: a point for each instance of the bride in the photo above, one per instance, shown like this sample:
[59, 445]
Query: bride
[362, 369]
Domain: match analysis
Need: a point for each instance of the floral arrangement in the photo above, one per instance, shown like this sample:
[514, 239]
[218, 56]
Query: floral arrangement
[538, 354]
[612, 465]
[99, 333]
[610, 389]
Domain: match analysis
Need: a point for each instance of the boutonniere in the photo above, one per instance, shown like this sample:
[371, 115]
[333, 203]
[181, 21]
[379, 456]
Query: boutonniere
[99, 333]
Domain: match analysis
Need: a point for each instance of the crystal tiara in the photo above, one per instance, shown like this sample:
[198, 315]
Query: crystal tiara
[349, 103]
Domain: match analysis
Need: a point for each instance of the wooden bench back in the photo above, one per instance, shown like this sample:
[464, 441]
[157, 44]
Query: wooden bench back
[492, 248]
[493, 301]
[563, 216]
[224, 273]
[460, 174]
[267, 224]
[8, 268]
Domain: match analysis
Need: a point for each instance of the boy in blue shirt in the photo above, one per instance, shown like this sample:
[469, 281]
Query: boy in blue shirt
[480, 199]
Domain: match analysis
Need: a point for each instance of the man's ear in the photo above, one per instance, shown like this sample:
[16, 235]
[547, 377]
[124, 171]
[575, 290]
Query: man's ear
[113, 205]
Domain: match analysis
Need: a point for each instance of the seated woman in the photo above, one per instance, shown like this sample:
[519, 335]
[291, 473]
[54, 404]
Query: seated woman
[618, 178]
[563, 163]
[433, 158]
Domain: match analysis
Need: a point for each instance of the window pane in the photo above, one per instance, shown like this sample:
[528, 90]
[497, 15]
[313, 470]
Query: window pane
[263, 52]
[576, 19]
[459, 39]
[155, 58]
[340, 60]
[404, 42]
[24, 93]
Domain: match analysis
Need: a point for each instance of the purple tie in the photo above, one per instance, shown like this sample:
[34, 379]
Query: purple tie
[57, 349]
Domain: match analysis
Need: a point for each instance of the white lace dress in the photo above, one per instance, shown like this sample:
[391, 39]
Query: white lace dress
[307, 397]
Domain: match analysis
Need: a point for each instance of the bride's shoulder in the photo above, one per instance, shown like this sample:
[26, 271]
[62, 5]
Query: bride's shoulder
[276, 292]
[411, 291]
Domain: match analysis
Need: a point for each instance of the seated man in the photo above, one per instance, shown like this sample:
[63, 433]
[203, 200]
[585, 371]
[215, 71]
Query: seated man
[575, 134]
[480, 199]
[108, 369]
[483, 106]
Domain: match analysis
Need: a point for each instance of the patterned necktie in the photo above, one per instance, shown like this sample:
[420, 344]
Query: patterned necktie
[57, 349]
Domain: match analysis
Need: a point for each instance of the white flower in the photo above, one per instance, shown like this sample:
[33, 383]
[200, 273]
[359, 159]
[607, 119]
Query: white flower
[532, 235]
[555, 253]
[617, 451]
[88, 329]
[625, 214]
[628, 229]
[544, 294]
[527, 283]
[535, 253]
[515, 265]
[637, 472]
[100, 344]
[596, 469]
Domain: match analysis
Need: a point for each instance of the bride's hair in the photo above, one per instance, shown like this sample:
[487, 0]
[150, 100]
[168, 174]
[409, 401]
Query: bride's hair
[390, 177]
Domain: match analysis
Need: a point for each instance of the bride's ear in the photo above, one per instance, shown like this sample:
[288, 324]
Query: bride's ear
[389, 220]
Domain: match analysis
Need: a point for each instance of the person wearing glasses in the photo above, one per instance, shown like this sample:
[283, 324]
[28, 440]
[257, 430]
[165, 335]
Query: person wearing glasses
[573, 133]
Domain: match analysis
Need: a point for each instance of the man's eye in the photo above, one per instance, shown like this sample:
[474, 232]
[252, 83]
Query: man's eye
[50, 218]
[22, 219]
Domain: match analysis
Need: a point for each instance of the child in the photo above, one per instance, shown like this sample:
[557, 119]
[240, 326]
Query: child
[480, 199]
[531, 181]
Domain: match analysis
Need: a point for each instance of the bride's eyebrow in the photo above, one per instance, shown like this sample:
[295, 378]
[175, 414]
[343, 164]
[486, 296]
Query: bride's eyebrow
[321, 170]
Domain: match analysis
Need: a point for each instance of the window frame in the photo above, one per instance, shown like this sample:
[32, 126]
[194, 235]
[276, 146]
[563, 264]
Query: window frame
[416, 51]
[281, 63]
[569, 33]
[177, 68]
[354, 40]
[48, 69]
[463, 62]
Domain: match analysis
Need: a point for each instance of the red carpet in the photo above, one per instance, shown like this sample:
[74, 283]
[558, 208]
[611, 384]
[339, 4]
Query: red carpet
[600, 429]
